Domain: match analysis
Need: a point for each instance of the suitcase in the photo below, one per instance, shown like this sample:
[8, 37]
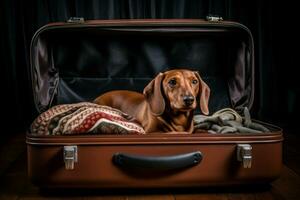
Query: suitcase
[78, 60]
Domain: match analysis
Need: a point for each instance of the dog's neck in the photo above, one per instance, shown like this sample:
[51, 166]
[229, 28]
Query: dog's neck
[177, 121]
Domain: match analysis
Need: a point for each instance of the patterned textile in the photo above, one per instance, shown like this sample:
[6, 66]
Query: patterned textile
[84, 118]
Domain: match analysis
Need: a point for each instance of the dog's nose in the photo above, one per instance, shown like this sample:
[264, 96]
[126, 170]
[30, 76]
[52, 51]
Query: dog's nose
[188, 100]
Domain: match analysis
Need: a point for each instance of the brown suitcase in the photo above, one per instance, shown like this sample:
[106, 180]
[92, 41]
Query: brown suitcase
[78, 60]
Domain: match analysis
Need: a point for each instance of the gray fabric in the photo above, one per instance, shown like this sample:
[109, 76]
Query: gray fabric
[228, 120]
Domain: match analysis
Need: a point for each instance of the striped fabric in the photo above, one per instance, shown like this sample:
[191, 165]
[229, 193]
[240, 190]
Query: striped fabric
[84, 118]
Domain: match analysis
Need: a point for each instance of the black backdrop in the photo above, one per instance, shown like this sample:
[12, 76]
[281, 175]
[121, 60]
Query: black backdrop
[273, 26]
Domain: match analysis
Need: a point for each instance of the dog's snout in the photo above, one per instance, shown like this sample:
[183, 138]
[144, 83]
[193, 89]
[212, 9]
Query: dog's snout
[188, 100]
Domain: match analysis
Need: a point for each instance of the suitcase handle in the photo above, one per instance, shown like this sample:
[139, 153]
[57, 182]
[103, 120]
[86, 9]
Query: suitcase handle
[157, 162]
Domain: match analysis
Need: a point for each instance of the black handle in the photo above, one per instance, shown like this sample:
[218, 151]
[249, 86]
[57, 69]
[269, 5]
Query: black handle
[158, 163]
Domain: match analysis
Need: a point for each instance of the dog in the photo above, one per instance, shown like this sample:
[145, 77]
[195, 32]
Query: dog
[167, 103]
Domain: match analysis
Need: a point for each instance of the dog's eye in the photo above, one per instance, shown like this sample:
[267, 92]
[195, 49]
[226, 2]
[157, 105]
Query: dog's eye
[172, 82]
[194, 82]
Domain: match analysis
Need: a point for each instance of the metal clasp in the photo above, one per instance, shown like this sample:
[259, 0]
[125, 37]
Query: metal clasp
[76, 20]
[214, 18]
[70, 157]
[244, 154]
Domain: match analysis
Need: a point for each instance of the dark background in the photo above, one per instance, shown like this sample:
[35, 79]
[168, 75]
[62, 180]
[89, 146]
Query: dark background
[273, 25]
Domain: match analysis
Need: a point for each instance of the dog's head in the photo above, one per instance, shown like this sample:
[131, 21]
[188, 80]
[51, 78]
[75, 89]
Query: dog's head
[179, 89]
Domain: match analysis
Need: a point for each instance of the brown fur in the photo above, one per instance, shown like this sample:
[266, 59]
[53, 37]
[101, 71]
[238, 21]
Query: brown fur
[161, 107]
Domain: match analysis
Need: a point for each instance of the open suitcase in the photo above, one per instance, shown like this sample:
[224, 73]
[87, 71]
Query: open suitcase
[77, 60]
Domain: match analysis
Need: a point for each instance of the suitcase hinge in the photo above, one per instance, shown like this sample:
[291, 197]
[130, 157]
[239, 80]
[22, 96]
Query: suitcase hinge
[244, 154]
[214, 18]
[76, 20]
[70, 157]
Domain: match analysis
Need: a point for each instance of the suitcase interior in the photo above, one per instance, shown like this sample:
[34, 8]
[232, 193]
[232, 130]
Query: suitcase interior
[74, 62]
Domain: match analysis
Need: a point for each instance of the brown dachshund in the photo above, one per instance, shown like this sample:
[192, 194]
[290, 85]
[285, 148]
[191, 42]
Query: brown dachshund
[167, 103]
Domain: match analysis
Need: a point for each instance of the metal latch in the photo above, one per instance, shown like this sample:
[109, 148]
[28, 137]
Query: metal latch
[214, 18]
[76, 20]
[244, 154]
[70, 157]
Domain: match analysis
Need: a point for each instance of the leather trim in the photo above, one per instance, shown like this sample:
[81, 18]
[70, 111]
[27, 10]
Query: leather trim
[158, 138]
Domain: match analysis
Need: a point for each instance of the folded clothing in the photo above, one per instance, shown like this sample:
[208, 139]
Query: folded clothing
[84, 118]
[228, 120]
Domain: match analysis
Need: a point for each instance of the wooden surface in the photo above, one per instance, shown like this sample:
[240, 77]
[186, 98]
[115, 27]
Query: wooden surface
[14, 183]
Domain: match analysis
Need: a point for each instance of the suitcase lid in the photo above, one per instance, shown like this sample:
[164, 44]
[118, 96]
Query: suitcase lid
[78, 60]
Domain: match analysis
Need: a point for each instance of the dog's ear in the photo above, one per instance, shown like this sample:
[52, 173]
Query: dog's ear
[204, 93]
[154, 96]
